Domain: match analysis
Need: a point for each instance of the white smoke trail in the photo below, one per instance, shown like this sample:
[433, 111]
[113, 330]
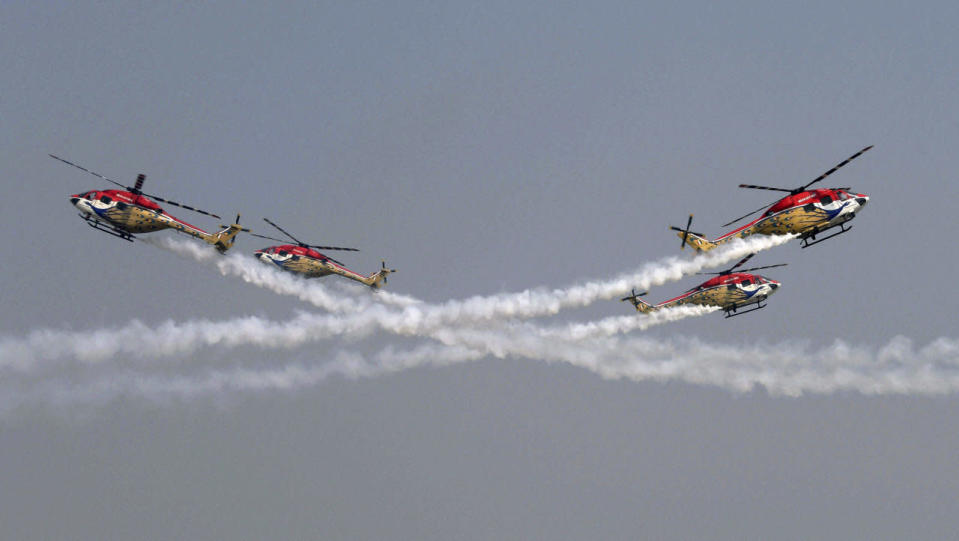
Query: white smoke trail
[611, 326]
[290, 377]
[526, 304]
[138, 341]
[781, 369]
[253, 272]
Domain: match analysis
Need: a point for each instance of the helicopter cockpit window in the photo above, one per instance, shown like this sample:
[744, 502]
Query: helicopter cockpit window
[105, 199]
[89, 196]
[843, 196]
[284, 253]
[747, 282]
[825, 200]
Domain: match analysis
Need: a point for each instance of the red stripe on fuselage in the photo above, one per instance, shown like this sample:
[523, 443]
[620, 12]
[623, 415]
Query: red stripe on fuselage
[143, 202]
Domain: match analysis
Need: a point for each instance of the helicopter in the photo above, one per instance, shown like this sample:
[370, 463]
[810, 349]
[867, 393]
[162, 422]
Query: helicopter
[303, 259]
[123, 213]
[730, 290]
[804, 212]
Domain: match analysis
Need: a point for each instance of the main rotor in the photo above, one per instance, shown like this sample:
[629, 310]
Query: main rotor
[136, 189]
[794, 191]
[300, 243]
[735, 268]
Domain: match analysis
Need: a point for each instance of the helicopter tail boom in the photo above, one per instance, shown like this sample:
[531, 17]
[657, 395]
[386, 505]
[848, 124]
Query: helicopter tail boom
[378, 278]
[223, 240]
[641, 305]
[698, 242]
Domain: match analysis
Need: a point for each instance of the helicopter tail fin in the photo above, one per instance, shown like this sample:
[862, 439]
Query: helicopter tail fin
[641, 305]
[223, 240]
[378, 278]
[698, 242]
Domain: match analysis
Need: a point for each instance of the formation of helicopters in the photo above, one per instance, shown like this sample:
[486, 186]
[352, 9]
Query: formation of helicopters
[806, 213]
[129, 212]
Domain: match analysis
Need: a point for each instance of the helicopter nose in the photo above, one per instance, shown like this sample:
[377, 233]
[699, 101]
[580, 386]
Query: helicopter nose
[862, 200]
[74, 199]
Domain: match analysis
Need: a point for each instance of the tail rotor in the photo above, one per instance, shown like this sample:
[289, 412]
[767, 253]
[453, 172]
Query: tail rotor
[236, 225]
[634, 297]
[378, 278]
[224, 239]
[686, 232]
[385, 272]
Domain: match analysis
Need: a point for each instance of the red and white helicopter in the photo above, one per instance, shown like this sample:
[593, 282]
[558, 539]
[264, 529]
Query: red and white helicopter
[728, 290]
[803, 212]
[303, 259]
[122, 213]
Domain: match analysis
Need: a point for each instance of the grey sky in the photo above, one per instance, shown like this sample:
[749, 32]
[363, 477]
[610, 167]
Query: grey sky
[481, 149]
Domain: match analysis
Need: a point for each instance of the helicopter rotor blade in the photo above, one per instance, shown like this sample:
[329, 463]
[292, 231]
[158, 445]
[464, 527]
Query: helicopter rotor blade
[833, 170]
[330, 248]
[181, 205]
[303, 244]
[634, 296]
[134, 189]
[742, 261]
[94, 173]
[764, 267]
[799, 189]
[689, 223]
[138, 185]
[686, 232]
[680, 229]
[757, 187]
[750, 214]
[267, 237]
[284, 231]
[237, 222]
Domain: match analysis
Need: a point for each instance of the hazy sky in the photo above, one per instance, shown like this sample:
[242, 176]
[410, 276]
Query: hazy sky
[479, 149]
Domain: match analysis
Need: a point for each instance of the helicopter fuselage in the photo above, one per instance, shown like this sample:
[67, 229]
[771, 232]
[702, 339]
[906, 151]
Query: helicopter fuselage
[727, 292]
[128, 212]
[303, 261]
[805, 214]
[730, 292]
[309, 263]
[123, 214]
